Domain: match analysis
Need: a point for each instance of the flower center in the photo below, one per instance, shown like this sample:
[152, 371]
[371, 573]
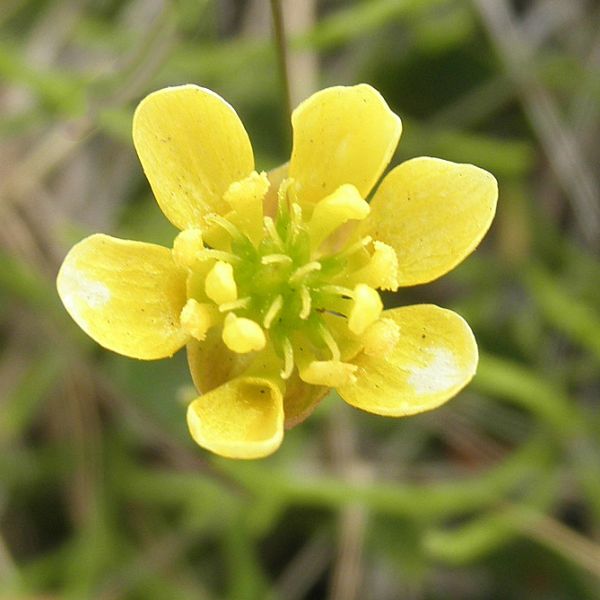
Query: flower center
[288, 285]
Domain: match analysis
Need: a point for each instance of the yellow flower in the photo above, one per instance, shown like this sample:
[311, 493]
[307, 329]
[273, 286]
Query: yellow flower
[272, 280]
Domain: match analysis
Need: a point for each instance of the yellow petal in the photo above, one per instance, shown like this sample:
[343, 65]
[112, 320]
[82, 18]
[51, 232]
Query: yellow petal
[300, 400]
[434, 358]
[241, 419]
[381, 337]
[341, 135]
[126, 295]
[192, 146]
[212, 363]
[433, 213]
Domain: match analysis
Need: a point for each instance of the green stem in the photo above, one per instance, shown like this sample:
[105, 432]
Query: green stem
[282, 61]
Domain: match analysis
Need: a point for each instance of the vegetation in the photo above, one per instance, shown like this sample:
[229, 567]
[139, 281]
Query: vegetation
[104, 495]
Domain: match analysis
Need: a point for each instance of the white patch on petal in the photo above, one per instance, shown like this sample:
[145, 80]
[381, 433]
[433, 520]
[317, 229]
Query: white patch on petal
[440, 374]
[342, 151]
[94, 294]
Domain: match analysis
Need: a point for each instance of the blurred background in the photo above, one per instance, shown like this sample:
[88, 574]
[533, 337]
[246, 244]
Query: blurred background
[103, 494]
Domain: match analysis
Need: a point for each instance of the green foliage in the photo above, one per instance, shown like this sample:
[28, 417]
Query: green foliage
[102, 493]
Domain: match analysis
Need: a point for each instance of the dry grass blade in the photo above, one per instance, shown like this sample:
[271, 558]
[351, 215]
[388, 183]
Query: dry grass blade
[559, 142]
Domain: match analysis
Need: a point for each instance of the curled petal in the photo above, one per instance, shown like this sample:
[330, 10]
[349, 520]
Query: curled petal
[433, 213]
[125, 295]
[435, 356]
[300, 400]
[212, 363]
[243, 418]
[342, 135]
[192, 146]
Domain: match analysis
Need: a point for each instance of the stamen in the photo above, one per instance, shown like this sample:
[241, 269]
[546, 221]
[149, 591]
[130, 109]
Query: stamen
[337, 290]
[273, 311]
[283, 202]
[235, 305]
[306, 302]
[288, 359]
[296, 213]
[350, 250]
[269, 259]
[303, 271]
[225, 224]
[272, 231]
[211, 254]
[296, 220]
[330, 342]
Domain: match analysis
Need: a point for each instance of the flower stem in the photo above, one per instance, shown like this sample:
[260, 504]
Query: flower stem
[282, 60]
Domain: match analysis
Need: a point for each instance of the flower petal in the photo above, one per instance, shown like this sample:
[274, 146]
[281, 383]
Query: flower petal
[125, 295]
[192, 146]
[212, 364]
[241, 419]
[433, 213]
[300, 400]
[342, 135]
[434, 358]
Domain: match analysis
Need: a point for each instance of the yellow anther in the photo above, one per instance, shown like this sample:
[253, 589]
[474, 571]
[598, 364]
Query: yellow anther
[331, 373]
[288, 359]
[306, 303]
[272, 259]
[330, 343]
[197, 319]
[211, 254]
[365, 310]
[235, 305]
[272, 232]
[225, 223]
[381, 337]
[246, 199]
[220, 285]
[186, 247]
[273, 311]
[300, 273]
[242, 335]
[343, 205]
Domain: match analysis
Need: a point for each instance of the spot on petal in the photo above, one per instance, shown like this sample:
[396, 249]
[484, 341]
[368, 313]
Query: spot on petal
[94, 294]
[440, 373]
